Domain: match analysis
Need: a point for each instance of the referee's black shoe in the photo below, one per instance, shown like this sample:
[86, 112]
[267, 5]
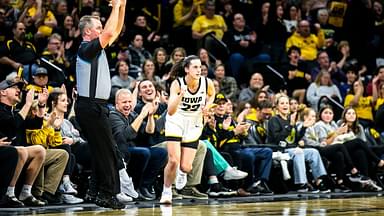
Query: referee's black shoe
[108, 201]
[146, 194]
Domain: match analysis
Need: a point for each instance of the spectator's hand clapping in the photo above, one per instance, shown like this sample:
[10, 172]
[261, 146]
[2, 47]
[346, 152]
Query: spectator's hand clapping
[293, 118]
[51, 119]
[244, 43]
[344, 51]
[308, 77]
[166, 76]
[343, 129]
[29, 97]
[332, 67]
[74, 94]
[74, 12]
[211, 122]
[253, 36]
[265, 88]
[155, 104]
[67, 140]
[375, 80]
[63, 88]
[193, 10]
[58, 121]
[156, 38]
[68, 44]
[147, 108]
[227, 122]
[301, 143]
[3, 141]
[241, 128]
[43, 96]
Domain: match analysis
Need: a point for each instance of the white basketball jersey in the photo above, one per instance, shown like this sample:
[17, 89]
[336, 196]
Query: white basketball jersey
[193, 102]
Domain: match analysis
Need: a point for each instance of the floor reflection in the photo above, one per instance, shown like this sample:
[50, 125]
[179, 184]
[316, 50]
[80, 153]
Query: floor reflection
[359, 206]
[354, 206]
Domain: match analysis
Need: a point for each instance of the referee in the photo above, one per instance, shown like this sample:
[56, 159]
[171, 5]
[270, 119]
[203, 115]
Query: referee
[94, 87]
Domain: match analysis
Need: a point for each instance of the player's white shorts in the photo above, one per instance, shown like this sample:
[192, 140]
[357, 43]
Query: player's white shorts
[186, 129]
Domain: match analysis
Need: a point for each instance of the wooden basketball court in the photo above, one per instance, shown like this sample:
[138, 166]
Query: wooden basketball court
[286, 204]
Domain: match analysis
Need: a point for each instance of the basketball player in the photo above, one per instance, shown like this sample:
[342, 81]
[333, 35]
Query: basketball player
[190, 94]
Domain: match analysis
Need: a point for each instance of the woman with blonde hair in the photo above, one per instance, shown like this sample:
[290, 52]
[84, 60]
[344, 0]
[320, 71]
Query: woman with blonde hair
[322, 86]
[176, 55]
[283, 132]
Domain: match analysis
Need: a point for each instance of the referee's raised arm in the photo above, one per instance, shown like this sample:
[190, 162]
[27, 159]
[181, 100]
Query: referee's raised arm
[114, 23]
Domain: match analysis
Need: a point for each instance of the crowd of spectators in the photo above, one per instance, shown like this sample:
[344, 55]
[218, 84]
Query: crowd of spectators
[300, 86]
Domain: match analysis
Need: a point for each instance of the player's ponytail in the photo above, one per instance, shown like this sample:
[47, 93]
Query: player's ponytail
[178, 69]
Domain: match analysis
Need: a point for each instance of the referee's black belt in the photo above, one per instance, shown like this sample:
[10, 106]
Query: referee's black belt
[94, 100]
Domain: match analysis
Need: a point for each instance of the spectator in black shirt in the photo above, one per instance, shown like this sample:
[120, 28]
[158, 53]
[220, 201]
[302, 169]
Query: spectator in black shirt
[6, 32]
[137, 54]
[297, 75]
[242, 42]
[18, 53]
[13, 127]
[145, 162]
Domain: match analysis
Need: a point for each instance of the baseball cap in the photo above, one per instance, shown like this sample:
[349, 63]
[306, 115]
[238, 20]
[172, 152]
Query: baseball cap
[220, 97]
[8, 83]
[40, 71]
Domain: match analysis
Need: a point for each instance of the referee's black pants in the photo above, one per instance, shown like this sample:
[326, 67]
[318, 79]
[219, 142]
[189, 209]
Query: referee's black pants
[92, 116]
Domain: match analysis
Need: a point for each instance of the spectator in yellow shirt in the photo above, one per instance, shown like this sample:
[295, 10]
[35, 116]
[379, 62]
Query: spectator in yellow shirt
[377, 93]
[209, 22]
[43, 17]
[307, 42]
[184, 13]
[40, 81]
[362, 104]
